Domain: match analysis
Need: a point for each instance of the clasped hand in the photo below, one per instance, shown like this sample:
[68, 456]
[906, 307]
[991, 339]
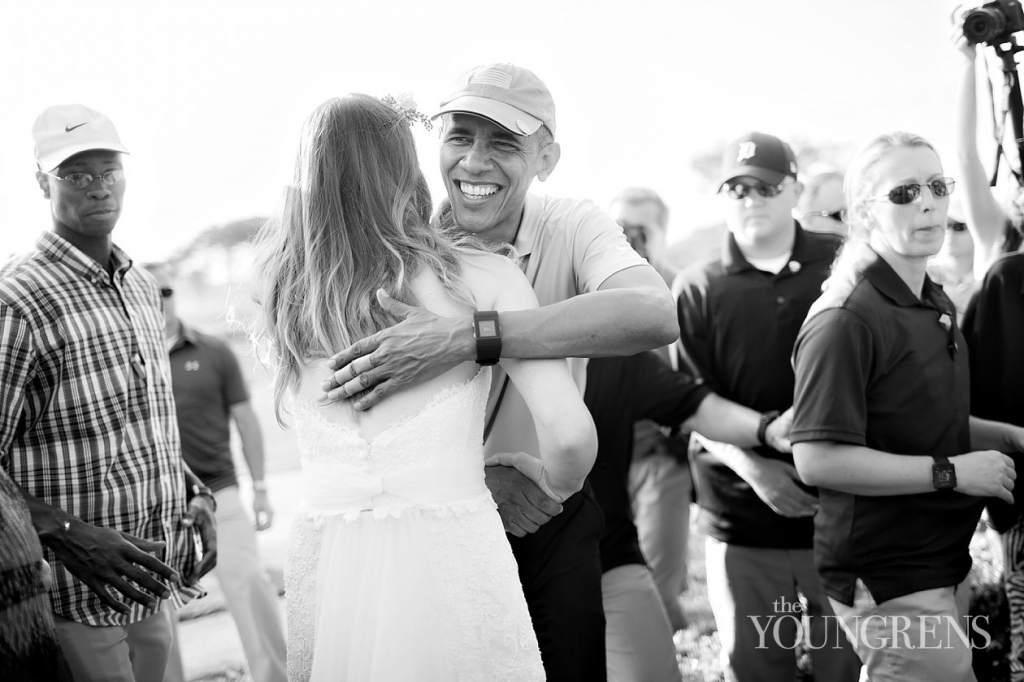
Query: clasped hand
[524, 498]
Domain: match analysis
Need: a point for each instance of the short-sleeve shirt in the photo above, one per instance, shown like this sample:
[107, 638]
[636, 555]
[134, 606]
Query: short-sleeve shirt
[994, 328]
[207, 381]
[566, 247]
[737, 329]
[619, 391]
[86, 411]
[885, 370]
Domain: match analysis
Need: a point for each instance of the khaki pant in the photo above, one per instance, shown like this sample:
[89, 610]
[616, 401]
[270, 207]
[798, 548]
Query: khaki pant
[755, 593]
[660, 487]
[129, 653]
[912, 638]
[638, 638]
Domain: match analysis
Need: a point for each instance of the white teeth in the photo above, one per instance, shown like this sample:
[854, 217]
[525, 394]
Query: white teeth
[477, 190]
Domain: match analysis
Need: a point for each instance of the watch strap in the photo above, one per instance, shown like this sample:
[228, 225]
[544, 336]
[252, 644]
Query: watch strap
[487, 332]
[762, 428]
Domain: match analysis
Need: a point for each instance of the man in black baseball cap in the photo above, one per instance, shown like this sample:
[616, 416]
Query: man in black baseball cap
[739, 317]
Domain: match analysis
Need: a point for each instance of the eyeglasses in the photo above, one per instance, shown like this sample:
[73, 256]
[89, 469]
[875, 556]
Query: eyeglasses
[742, 190]
[83, 180]
[166, 292]
[955, 225]
[834, 215]
[905, 194]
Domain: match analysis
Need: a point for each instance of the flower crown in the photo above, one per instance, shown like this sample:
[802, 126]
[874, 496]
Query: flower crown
[405, 106]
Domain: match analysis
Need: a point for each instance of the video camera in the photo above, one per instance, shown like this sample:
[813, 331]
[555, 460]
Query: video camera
[994, 22]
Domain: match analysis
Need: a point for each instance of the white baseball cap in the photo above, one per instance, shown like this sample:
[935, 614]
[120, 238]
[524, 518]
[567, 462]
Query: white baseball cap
[64, 130]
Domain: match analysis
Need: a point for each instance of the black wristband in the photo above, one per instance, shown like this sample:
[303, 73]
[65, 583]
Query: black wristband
[487, 332]
[196, 489]
[762, 428]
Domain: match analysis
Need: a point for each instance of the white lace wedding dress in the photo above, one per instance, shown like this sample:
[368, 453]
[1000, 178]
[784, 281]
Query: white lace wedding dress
[398, 567]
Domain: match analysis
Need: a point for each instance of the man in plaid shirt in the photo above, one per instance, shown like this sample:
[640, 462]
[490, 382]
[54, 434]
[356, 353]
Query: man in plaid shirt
[87, 424]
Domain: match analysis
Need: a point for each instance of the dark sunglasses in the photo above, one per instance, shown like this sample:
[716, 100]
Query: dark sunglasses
[742, 190]
[166, 292]
[905, 194]
[955, 225]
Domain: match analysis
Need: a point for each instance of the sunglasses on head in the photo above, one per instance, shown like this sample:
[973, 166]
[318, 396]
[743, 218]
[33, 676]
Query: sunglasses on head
[742, 190]
[955, 225]
[905, 194]
[166, 292]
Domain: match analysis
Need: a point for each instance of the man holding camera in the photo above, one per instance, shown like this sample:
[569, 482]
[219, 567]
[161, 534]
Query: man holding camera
[739, 317]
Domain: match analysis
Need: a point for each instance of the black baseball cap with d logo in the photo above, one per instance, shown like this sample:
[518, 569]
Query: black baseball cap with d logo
[760, 156]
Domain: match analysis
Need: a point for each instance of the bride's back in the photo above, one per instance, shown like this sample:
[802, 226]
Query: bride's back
[408, 401]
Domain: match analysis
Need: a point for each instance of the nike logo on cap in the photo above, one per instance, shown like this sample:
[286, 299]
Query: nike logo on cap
[68, 129]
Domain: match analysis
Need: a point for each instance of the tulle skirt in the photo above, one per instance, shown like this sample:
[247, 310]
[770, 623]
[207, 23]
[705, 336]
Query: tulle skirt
[415, 595]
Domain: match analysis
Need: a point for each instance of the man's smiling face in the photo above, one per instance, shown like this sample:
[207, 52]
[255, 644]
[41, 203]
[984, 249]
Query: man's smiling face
[487, 171]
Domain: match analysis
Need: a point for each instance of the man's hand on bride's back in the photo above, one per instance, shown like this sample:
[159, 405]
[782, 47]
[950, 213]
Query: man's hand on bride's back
[420, 347]
[523, 506]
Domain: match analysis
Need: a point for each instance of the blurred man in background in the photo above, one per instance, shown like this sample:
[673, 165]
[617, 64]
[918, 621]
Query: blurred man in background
[821, 204]
[659, 475]
[210, 393]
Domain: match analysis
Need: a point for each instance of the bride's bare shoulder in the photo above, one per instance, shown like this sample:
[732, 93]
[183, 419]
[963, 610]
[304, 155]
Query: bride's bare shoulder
[497, 282]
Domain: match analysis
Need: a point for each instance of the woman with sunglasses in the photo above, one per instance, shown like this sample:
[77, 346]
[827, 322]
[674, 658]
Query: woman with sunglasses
[882, 429]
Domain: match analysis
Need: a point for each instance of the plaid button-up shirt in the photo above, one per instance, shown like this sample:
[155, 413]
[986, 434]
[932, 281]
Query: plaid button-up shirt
[86, 411]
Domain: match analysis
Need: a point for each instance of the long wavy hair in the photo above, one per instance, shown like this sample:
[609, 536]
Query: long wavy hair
[356, 219]
[858, 186]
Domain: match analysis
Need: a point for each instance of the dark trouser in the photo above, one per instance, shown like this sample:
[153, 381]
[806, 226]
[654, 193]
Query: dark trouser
[560, 569]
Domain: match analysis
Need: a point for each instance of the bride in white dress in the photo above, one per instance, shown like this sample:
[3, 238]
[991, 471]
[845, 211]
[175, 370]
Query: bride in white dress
[398, 567]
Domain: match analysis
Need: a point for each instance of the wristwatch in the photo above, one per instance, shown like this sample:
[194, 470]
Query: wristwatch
[487, 332]
[943, 473]
[203, 490]
[762, 428]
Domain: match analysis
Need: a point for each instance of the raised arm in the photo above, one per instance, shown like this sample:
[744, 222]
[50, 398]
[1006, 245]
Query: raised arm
[985, 217]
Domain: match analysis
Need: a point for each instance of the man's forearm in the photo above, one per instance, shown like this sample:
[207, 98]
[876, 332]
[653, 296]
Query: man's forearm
[46, 518]
[724, 421]
[600, 323]
[992, 435]
[251, 436]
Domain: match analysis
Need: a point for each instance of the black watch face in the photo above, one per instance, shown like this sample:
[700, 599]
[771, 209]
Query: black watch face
[944, 476]
[487, 328]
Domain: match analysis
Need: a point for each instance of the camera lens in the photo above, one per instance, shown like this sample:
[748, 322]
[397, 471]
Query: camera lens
[982, 25]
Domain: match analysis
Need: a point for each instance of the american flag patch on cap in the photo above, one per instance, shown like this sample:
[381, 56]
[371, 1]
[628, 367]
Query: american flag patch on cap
[493, 77]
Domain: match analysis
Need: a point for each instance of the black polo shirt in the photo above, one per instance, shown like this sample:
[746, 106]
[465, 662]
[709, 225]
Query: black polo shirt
[994, 328]
[206, 381]
[738, 325]
[885, 370]
[621, 390]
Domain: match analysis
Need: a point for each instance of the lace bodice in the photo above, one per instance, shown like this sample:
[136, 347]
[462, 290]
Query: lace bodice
[430, 459]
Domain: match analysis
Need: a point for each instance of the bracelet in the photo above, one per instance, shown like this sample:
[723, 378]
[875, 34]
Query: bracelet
[259, 486]
[762, 428]
[203, 490]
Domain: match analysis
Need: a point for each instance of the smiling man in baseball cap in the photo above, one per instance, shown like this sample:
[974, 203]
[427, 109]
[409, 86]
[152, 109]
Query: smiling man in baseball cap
[598, 298]
[87, 426]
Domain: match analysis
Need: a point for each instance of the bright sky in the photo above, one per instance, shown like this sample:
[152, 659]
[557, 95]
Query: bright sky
[210, 95]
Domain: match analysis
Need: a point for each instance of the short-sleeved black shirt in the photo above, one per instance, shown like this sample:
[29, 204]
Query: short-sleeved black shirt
[621, 390]
[738, 325]
[885, 370]
[994, 328]
[206, 381]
